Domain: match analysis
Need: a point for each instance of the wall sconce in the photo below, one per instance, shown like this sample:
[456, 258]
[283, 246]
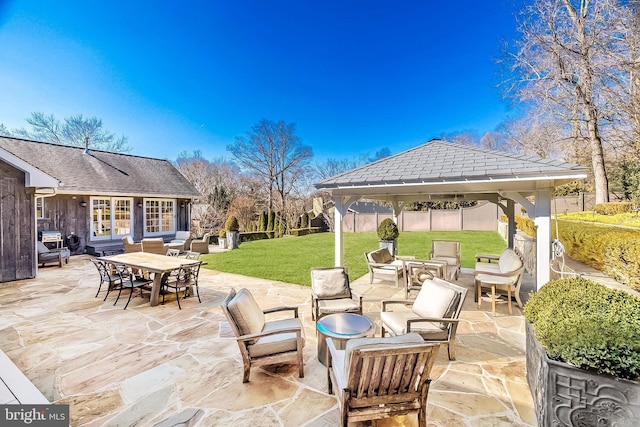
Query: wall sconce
[139, 204]
[83, 203]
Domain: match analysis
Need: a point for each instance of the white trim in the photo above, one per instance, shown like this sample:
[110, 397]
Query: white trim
[33, 177]
[111, 219]
[174, 212]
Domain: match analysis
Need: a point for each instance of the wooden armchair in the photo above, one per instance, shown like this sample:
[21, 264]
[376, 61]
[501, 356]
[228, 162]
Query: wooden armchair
[449, 251]
[504, 274]
[384, 266]
[262, 342]
[331, 293]
[378, 378]
[434, 313]
[201, 245]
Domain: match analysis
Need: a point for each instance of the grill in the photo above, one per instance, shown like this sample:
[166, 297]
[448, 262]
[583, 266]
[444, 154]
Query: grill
[50, 236]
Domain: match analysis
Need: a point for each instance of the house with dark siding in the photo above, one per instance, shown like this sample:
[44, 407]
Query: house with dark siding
[92, 198]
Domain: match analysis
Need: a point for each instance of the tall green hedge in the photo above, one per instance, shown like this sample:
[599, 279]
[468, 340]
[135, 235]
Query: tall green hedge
[613, 250]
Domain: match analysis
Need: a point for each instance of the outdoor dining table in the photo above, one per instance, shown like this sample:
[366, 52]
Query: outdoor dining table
[151, 263]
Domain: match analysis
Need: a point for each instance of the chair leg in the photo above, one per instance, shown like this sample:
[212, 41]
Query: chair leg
[198, 293]
[99, 287]
[129, 300]
[493, 299]
[178, 299]
[118, 297]
[245, 377]
[509, 300]
[479, 293]
[452, 350]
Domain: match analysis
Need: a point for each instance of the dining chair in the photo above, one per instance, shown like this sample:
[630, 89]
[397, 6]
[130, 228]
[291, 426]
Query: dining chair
[173, 252]
[192, 255]
[108, 275]
[130, 281]
[184, 280]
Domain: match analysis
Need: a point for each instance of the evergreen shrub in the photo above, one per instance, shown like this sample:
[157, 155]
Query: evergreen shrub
[588, 325]
[232, 224]
[388, 230]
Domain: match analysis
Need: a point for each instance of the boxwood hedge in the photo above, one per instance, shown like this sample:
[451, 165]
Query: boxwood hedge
[588, 325]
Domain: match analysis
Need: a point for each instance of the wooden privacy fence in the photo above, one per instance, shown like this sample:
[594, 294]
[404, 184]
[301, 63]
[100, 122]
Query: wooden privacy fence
[481, 217]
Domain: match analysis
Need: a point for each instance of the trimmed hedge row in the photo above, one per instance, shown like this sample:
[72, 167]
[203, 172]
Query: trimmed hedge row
[305, 231]
[613, 250]
[613, 208]
[588, 325]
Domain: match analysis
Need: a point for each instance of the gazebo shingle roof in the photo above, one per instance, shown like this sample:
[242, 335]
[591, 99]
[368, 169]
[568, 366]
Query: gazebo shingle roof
[440, 161]
[101, 172]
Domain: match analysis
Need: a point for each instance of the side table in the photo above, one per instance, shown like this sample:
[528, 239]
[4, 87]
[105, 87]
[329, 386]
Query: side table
[341, 327]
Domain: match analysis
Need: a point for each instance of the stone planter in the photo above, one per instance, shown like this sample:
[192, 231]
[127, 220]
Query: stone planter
[564, 395]
[233, 239]
[222, 243]
[392, 245]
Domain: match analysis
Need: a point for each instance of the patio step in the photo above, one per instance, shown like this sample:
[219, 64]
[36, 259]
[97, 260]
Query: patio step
[15, 387]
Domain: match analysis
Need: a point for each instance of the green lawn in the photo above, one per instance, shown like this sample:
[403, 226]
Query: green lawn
[290, 259]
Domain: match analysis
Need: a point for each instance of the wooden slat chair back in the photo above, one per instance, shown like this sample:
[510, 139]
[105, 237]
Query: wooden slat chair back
[382, 380]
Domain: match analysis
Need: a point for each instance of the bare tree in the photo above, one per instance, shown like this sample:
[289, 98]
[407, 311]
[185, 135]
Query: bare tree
[75, 130]
[218, 181]
[563, 63]
[274, 153]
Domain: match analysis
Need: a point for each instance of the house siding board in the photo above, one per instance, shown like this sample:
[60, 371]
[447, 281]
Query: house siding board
[17, 247]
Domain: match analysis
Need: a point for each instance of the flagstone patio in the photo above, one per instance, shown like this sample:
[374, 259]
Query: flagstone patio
[148, 366]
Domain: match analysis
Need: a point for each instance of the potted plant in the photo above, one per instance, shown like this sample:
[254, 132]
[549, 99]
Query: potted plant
[583, 354]
[233, 235]
[222, 238]
[388, 234]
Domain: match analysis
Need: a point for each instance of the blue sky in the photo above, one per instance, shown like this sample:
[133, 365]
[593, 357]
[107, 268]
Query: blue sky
[355, 76]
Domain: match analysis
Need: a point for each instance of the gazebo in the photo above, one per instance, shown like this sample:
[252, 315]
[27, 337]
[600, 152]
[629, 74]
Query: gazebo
[440, 170]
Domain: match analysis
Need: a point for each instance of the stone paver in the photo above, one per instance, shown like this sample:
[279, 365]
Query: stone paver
[157, 365]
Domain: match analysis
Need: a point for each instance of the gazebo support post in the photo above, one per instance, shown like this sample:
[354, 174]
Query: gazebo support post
[543, 236]
[342, 205]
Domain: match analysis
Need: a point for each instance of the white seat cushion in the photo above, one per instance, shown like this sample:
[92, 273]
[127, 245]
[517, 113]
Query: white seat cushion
[278, 343]
[396, 321]
[434, 299]
[338, 305]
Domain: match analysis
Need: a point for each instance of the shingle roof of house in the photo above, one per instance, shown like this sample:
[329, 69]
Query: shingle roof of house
[439, 161]
[101, 172]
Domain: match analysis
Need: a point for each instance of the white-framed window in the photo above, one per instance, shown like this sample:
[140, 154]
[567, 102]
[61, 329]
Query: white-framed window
[39, 207]
[159, 217]
[111, 217]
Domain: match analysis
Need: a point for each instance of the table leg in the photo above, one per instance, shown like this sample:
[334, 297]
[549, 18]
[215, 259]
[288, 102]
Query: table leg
[493, 299]
[155, 289]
